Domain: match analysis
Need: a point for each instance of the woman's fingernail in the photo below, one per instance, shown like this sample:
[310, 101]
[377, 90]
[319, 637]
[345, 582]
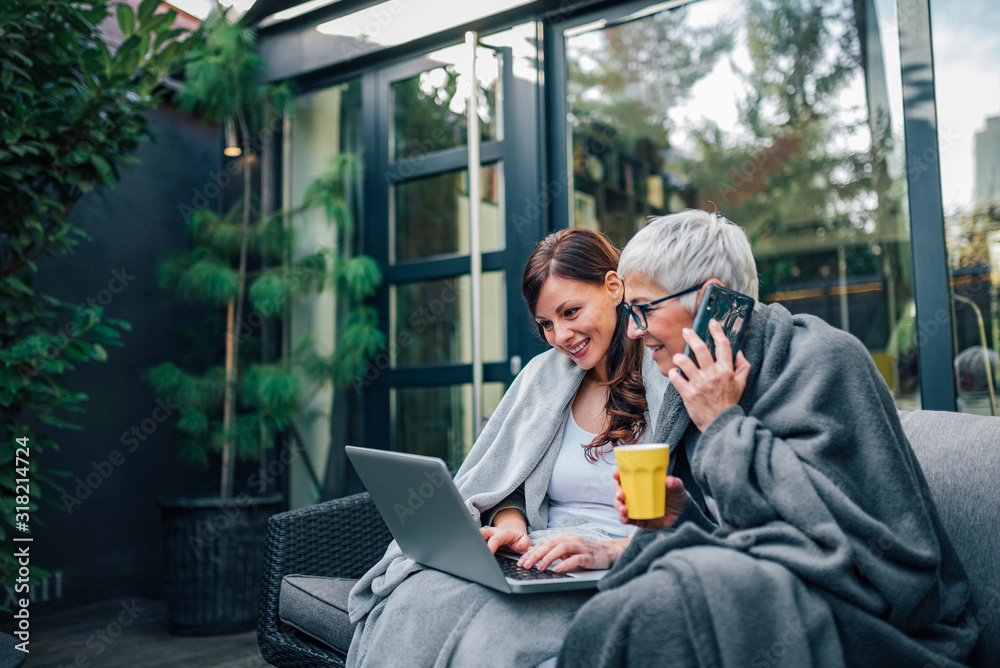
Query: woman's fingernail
[687, 331]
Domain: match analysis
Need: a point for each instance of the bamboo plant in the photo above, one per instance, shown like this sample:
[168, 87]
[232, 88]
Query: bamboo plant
[236, 405]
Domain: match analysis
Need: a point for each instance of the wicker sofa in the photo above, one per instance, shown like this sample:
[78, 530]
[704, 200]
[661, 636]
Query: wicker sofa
[313, 554]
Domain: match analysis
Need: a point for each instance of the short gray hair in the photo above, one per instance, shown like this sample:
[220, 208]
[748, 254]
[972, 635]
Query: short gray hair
[972, 361]
[690, 247]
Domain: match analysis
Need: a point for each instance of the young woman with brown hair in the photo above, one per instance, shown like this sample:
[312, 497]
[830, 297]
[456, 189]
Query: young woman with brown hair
[573, 291]
[540, 473]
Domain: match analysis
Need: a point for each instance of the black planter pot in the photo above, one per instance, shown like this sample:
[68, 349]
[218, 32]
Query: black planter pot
[213, 559]
[10, 656]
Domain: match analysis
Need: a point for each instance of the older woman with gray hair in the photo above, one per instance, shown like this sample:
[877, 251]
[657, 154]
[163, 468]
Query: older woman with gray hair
[799, 528]
[977, 371]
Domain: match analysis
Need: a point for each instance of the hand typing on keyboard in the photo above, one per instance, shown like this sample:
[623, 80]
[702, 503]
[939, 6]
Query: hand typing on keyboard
[574, 552]
[512, 570]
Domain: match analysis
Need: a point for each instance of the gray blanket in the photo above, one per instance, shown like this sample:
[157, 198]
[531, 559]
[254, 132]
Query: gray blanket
[830, 551]
[509, 466]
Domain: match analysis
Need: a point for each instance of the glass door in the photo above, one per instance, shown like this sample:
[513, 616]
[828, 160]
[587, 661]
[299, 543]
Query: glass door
[422, 398]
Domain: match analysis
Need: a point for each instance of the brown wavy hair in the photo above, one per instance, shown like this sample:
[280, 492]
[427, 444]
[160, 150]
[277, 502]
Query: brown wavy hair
[586, 256]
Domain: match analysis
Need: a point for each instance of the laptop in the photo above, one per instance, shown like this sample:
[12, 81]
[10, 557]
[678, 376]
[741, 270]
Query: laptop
[425, 513]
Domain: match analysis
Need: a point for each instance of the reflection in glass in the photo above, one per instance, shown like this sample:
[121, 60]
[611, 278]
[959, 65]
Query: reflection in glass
[623, 83]
[432, 320]
[759, 110]
[429, 109]
[437, 421]
[967, 87]
[323, 124]
[430, 216]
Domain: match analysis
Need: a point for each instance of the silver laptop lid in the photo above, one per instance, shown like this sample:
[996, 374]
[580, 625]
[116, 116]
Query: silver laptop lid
[426, 515]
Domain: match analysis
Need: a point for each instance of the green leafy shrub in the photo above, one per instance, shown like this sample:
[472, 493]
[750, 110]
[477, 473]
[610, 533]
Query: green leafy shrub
[71, 113]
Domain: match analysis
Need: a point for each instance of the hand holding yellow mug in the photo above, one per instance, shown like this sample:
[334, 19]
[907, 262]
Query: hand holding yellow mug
[642, 470]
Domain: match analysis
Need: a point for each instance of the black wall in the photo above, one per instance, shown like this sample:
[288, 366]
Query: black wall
[109, 543]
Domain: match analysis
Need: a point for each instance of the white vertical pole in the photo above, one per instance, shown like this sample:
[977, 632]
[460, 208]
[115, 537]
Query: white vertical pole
[845, 314]
[475, 256]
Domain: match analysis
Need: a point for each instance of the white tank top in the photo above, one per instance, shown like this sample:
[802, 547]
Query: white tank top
[580, 488]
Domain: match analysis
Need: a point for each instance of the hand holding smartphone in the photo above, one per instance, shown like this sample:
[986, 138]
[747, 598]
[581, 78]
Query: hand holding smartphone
[730, 308]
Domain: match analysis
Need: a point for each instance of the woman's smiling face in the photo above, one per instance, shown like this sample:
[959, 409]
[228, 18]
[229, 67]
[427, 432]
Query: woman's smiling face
[665, 321]
[579, 318]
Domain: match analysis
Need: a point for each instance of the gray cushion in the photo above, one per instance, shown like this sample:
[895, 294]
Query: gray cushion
[960, 456]
[318, 607]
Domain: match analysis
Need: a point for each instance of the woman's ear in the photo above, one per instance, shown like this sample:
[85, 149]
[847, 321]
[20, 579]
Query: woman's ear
[704, 286]
[613, 284]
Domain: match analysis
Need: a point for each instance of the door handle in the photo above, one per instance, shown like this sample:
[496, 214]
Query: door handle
[515, 365]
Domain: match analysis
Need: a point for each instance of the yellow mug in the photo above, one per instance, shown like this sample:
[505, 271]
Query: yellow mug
[643, 471]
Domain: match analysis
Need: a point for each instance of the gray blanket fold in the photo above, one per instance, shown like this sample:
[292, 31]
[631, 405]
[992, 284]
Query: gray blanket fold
[826, 519]
[510, 463]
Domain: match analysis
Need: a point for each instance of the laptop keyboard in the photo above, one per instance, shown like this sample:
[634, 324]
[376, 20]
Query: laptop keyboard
[512, 570]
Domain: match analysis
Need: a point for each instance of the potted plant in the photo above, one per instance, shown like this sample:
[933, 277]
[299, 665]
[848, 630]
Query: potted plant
[234, 401]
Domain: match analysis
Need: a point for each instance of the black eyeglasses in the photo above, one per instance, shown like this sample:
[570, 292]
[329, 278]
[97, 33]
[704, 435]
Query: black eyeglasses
[639, 318]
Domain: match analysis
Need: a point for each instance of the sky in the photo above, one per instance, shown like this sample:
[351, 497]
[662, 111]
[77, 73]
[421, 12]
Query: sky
[201, 8]
[967, 79]
[197, 8]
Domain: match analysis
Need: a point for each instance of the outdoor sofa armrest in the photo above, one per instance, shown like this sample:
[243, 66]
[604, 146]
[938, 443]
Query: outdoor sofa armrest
[339, 538]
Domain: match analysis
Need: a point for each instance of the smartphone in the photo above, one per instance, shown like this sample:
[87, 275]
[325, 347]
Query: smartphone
[732, 309]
